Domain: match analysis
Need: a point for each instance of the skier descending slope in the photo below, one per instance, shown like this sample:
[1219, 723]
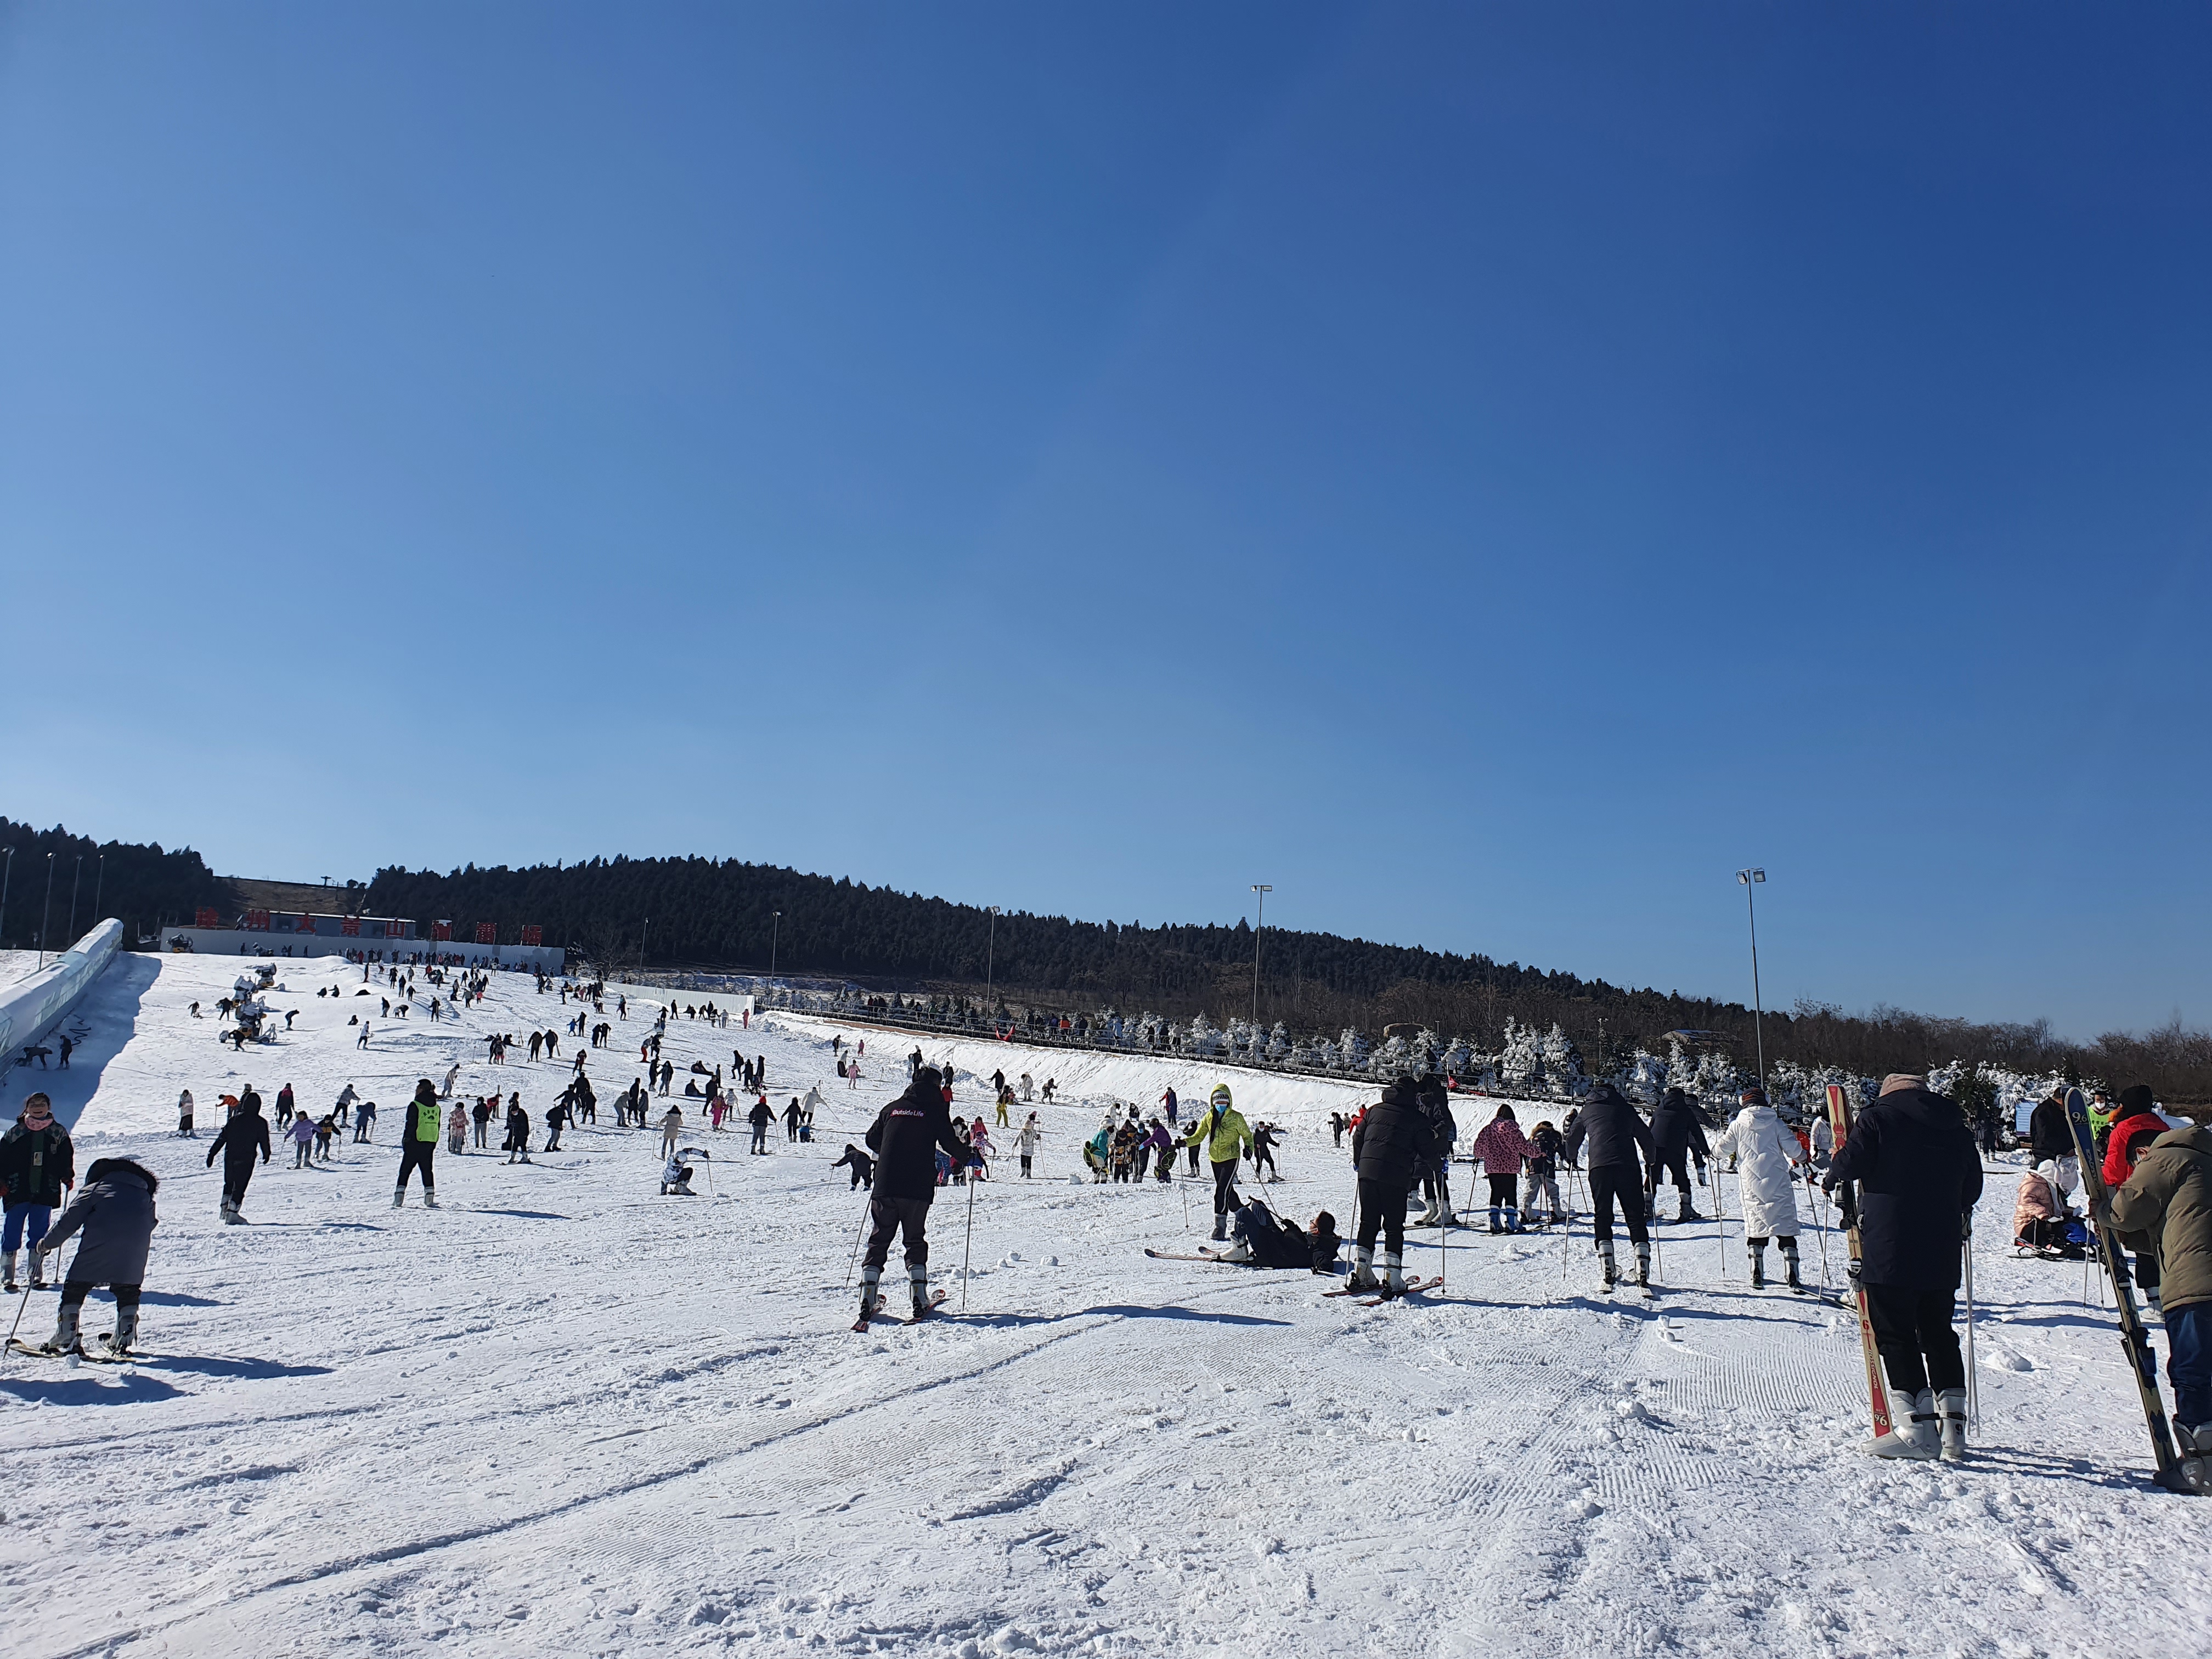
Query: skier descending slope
[1227, 1138]
[1766, 1156]
[905, 1138]
[1615, 1132]
[2169, 1196]
[1918, 1173]
[116, 1212]
[245, 1131]
[1395, 1143]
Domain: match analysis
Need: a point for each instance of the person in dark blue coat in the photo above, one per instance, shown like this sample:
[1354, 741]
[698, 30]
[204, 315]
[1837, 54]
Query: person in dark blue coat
[245, 1132]
[115, 1212]
[1395, 1144]
[1919, 1174]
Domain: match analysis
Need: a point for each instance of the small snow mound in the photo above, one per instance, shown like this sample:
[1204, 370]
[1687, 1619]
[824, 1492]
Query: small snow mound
[1011, 1638]
[707, 1612]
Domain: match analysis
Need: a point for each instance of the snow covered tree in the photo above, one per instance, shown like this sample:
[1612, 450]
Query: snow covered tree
[1351, 1049]
[1519, 1065]
[1279, 1041]
[1201, 1036]
[1562, 1061]
[1646, 1079]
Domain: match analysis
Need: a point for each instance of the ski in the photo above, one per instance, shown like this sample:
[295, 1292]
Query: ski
[1847, 1204]
[1170, 1256]
[2134, 1337]
[31, 1351]
[1416, 1287]
[936, 1301]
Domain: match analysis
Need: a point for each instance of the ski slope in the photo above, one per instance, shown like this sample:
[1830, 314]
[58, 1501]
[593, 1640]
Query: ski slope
[564, 1415]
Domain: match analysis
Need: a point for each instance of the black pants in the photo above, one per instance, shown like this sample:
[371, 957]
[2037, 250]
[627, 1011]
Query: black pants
[1913, 1329]
[1382, 1205]
[75, 1290]
[1501, 1192]
[857, 1177]
[1677, 1168]
[1607, 1182]
[416, 1155]
[1025, 1166]
[1193, 1159]
[1224, 1186]
[891, 1215]
[1262, 1157]
[236, 1173]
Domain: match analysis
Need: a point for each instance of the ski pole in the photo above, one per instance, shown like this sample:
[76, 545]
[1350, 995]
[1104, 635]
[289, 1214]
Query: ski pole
[1973, 1369]
[865, 1207]
[1720, 1217]
[1822, 1199]
[969, 1246]
[20, 1306]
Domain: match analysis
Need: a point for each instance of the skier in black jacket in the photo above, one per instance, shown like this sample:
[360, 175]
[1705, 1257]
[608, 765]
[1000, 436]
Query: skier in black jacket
[905, 1138]
[1614, 1133]
[1395, 1145]
[246, 1130]
[2049, 1138]
[1678, 1134]
[1919, 1173]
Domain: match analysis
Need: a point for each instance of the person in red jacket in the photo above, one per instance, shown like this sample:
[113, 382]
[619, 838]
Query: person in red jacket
[2135, 1126]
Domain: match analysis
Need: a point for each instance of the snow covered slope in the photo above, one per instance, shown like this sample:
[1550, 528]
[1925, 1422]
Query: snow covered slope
[563, 1415]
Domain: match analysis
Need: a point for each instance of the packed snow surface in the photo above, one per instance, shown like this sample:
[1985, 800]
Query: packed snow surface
[565, 1415]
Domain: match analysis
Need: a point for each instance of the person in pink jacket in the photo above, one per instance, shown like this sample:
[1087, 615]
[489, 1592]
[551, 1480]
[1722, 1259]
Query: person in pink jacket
[1501, 1149]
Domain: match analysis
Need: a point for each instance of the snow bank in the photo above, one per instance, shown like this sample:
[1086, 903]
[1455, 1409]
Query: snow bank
[33, 1007]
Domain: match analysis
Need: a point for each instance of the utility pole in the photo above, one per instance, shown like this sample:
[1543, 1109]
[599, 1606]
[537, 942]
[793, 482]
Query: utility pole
[1747, 879]
[1262, 889]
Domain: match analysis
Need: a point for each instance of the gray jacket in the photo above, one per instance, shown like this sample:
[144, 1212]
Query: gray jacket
[115, 1208]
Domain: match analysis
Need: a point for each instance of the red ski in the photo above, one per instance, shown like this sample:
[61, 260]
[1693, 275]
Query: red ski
[1839, 1120]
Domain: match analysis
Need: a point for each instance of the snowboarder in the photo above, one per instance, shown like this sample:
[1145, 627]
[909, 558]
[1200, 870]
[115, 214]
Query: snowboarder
[1394, 1143]
[1503, 1151]
[1765, 1155]
[859, 1162]
[1678, 1134]
[1222, 1129]
[418, 1143]
[247, 1130]
[115, 1214]
[37, 1164]
[906, 1137]
[2167, 1197]
[1918, 1173]
[1614, 1133]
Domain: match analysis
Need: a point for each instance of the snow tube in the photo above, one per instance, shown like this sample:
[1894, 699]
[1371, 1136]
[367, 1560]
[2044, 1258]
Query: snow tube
[32, 1007]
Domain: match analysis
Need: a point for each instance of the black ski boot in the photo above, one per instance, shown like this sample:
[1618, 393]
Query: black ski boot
[1790, 1265]
[1612, 1275]
[1758, 1266]
[1643, 1267]
[1220, 1228]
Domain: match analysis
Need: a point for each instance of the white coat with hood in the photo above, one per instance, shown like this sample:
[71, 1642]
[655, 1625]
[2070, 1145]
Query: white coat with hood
[1762, 1151]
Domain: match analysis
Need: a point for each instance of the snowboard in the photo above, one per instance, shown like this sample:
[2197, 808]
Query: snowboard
[2134, 1336]
[1839, 1122]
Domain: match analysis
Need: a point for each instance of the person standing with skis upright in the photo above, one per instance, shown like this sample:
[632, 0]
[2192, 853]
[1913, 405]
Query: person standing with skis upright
[1395, 1143]
[1919, 1174]
[1227, 1138]
[2169, 1196]
[906, 1137]
[1615, 1133]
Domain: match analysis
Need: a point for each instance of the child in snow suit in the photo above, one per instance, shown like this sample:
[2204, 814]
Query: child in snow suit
[302, 1135]
[457, 1129]
[860, 1162]
[1503, 1151]
[115, 1213]
[1540, 1172]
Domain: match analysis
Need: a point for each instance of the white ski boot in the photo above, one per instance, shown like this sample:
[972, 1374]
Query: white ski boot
[126, 1329]
[1612, 1273]
[872, 1291]
[1951, 1405]
[66, 1331]
[1917, 1436]
[1394, 1272]
[917, 1278]
[11, 1287]
[1643, 1265]
[399, 1199]
[429, 1198]
[1240, 1249]
[1362, 1270]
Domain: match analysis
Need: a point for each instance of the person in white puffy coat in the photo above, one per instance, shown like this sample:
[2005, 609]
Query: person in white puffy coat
[1764, 1154]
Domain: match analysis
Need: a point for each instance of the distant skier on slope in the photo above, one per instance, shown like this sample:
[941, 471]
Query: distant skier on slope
[1226, 1137]
[1394, 1142]
[905, 1137]
[1614, 1133]
[1919, 1174]
[245, 1131]
[1764, 1156]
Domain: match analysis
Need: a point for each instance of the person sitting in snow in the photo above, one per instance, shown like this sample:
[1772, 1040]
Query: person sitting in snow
[675, 1178]
[1265, 1241]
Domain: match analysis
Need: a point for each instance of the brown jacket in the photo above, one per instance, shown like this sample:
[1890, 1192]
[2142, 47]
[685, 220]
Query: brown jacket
[2170, 1196]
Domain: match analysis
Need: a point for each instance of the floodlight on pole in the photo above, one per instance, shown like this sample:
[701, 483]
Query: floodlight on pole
[990, 968]
[775, 937]
[5, 872]
[99, 885]
[46, 915]
[1261, 922]
[1747, 879]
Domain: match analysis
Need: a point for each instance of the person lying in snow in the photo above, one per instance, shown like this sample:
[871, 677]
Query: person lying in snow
[1266, 1241]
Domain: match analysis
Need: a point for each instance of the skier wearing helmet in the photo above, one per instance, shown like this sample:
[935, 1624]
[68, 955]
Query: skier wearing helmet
[1226, 1137]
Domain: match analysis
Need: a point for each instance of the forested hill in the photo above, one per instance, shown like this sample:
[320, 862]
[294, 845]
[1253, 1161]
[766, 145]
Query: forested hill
[145, 885]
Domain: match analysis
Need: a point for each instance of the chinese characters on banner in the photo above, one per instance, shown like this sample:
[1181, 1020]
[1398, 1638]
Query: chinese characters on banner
[487, 932]
[533, 936]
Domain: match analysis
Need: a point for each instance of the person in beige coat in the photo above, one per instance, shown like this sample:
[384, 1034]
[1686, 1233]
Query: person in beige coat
[2169, 1196]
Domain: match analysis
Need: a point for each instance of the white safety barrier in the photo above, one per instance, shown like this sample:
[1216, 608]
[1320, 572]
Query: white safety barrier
[32, 1007]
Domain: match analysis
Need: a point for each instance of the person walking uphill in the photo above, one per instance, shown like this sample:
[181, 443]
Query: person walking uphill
[37, 1164]
[2169, 1197]
[115, 1215]
[1225, 1135]
[1678, 1134]
[1502, 1150]
[1919, 1174]
[1614, 1133]
[905, 1137]
[1765, 1155]
[247, 1130]
[420, 1127]
[1394, 1144]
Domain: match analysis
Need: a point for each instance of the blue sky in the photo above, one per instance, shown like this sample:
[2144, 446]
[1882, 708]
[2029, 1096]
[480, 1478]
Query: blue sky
[1489, 472]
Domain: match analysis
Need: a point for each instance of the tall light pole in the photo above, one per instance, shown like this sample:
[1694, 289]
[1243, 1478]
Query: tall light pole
[1747, 879]
[1262, 889]
[990, 968]
[775, 933]
[5, 872]
[75, 882]
[46, 915]
[643, 934]
[99, 885]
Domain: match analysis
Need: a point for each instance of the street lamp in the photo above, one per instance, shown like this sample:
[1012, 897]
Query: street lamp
[5, 872]
[1262, 889]
[990, 967]
[99, 885]
[46, 915]
[1747, 879]
[643, 934]
[774, 933]
[75, 882]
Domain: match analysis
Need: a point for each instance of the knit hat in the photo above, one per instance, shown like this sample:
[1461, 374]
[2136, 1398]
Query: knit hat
[1753, 1094]
[1898, 1080]
[2138, 1097]
[1220, 1094]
